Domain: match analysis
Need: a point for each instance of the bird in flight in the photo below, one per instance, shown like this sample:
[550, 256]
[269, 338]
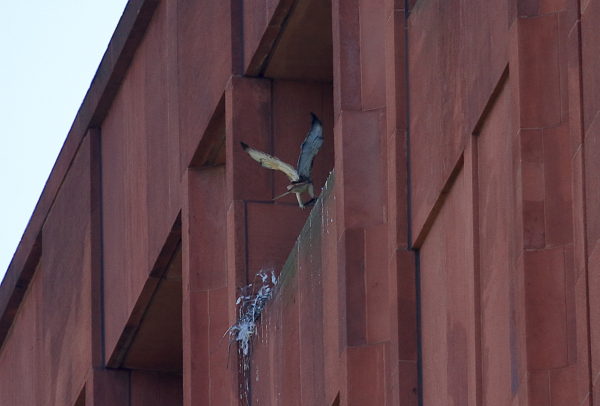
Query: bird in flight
[300, 180]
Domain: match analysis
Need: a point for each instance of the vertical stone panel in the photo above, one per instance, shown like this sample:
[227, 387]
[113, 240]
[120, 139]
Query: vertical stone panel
[534, 192]
[65, 312]
[160, 133]
[590, 57]
[208, 298]
[591, 161]
[402, 387]
[205, 217]
[361, 168]
[103, 386]
[546, 94]
[545, 278]
[539, 72]
[499, 283]
[448, 299]
[356, 327]
[346, 56]
[366, 380]
[372, 48]
[377, 285]
[124, 186]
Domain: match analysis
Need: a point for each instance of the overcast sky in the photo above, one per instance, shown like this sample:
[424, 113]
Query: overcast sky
[50, 52]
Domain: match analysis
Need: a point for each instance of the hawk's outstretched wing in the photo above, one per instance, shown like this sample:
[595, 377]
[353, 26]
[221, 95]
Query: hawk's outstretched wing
[272, 162]
[310, 147]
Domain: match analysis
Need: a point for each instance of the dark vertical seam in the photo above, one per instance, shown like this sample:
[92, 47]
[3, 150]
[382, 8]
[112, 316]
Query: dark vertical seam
[242, 57]
[584, 208]
[129, 403]
[419, 332]
[409, 230]
[100, 269]
[476, 269]
[236, 18]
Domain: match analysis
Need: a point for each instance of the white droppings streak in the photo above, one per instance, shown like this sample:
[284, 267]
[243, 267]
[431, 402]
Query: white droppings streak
[250, 309]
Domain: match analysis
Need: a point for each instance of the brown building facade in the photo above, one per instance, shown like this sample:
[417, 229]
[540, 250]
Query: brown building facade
[453, 257]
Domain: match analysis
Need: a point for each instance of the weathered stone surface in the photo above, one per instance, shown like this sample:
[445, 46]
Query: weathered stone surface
[452, 257]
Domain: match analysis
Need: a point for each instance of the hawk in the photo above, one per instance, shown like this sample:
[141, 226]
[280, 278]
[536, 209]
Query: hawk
[300, 180]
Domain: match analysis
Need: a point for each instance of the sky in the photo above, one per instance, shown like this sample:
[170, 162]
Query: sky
[50, 51]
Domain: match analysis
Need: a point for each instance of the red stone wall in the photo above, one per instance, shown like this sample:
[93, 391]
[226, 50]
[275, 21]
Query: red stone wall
[585, 152]
[140, 177]
[47, 355]
[453, 260]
